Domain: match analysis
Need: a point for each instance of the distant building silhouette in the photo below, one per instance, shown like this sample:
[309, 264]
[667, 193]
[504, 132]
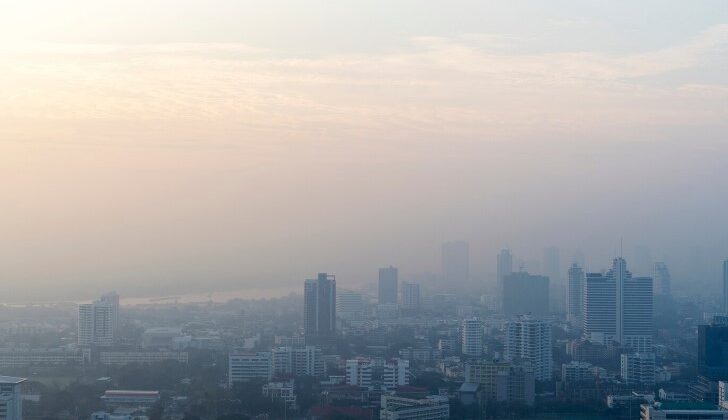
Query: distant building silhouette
[525, 293]
[504, 268]
[319, 312]
[662, 281]
[97, 321]
[575, 296]
[388, 285]
[725, 286]
[410, 296]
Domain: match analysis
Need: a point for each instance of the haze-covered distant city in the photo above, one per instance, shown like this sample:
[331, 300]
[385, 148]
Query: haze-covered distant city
[410, 209]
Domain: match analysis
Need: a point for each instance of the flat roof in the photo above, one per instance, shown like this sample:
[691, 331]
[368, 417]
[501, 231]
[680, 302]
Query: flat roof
[11, 380]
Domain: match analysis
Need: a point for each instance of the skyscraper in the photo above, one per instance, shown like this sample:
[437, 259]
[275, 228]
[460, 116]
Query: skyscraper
[576, 294]
[524, 293]
[472, 336]
[388, 285]
[319, 311]
[618, 307]
[410, 296]
[529, 340]
[97, 321]
[662, 281]
[456, 263]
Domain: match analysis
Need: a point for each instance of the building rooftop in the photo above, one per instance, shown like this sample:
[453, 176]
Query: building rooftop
[10, 380]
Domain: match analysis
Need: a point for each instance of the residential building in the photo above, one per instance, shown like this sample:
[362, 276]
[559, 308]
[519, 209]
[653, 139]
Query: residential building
[576, 372]
[502, 381]
[524, 293]
[388, 285]
[11, 398]
[396, 373]
[638, 368]
[298, 361]
[319, 317]
[359, 372]
[433, 407]
[528, 341]
[410, 296]
[472, 337]
[97, 321]
[121, 358]
[246, 366]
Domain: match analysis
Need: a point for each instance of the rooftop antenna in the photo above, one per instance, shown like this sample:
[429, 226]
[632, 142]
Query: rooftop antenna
[621, 239]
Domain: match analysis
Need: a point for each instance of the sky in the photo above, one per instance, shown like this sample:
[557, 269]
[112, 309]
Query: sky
[161, 147]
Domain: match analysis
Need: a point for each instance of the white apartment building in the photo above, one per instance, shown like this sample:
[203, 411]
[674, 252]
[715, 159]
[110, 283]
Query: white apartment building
[298, 361]
[638, 368]
[97, 321]
[433, 407]
[359, 372]
[11, 398]
[396, 373]
[528, 340]
[472, 337]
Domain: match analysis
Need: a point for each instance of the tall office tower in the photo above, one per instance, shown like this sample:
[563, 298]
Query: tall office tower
[11, 398]
[618, 307]
[456, 263]
[529, 340]
[661, 276]
[388, 285]
[638, 368]
[576, 294]
[97, 321]
[524, 293]
[472, 336]
[642, 260]
[349, 305]
[410, 296]
[713, 348]
[504, 268]
[319, 310]
[725, 286]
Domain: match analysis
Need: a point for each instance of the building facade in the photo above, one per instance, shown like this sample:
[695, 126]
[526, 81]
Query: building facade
[528, 340]
[524, 293]
[319, 317]
[575, 295]
[472, 337]
[388, 285]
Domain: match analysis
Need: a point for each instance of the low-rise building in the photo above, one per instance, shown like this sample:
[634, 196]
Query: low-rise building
[433, 407]
[681, 411]
[11, 398]
[247, 366]
[121, 358]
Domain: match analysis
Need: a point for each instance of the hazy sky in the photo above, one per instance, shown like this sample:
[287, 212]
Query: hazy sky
[167, 146]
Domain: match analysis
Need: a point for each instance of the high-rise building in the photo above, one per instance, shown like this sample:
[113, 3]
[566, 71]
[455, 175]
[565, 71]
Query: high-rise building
[388, 285]
[11, 398]
[618, 307]
[504, 268]
[576, 294]
[319, 311]
[97, 321]
[713, 349]
[410, 296]
[472, 337]
[638, 368]
[528, 340]
[524, 293]
[456, 263]
[298, 361]
[662, 281]
[725, 286]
